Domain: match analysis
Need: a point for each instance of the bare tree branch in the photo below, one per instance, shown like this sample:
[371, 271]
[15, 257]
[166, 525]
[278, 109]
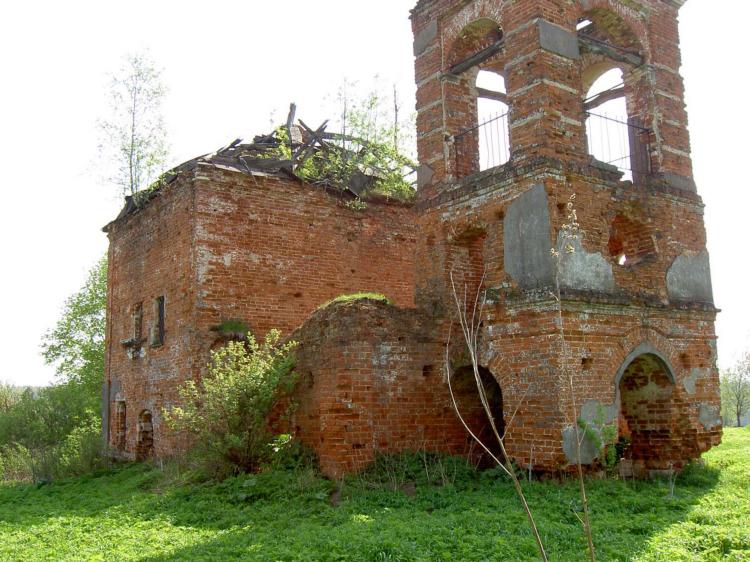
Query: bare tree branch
[470, 329]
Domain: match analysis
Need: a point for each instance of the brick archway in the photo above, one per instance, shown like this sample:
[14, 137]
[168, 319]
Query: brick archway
[144, 447]
[473, 413]
[649, 408]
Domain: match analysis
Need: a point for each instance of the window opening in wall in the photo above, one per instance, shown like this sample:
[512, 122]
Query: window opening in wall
[137, 318]
[469, 405]
[119, 425]
[648, 410]
[613, 137]
[630, 241]
[491, 134]
[157, 335]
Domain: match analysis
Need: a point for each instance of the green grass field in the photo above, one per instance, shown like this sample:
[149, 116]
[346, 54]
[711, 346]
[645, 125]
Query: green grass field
[134, 514]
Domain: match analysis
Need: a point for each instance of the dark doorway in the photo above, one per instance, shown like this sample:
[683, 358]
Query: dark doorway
[145, 443]
[470, 406]
[647, 410]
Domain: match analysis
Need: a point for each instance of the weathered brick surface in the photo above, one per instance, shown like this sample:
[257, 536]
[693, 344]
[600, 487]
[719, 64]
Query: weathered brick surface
[547, 116]
[372, 381]
[627, 316]
[615, 295]
[222, 245]
[150, 255]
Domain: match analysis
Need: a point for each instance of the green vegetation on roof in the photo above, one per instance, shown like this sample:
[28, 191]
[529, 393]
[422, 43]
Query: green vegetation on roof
[358, 297]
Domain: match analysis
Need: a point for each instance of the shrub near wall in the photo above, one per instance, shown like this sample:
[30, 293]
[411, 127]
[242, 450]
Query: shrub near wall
[227, 412]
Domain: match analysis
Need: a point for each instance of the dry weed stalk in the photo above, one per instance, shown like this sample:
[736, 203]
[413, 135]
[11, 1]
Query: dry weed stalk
[470, 328]
[571, 230]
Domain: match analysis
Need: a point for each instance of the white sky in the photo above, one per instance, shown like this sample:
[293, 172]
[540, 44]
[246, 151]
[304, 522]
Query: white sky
[229, 66]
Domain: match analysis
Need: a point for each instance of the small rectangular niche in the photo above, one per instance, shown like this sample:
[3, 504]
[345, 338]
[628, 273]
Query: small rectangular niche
[136, 327]
[136, 315]
[157, 330]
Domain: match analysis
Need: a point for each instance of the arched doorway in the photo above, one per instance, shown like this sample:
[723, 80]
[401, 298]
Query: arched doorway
[648, 410]
[470, 407]
[145, 441]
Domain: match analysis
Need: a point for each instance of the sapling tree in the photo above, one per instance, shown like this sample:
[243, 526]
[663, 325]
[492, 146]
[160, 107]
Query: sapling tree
[570, 231]
[133, 136]
[375, 139]
[9, 396]
[735, 391]
[469, 316]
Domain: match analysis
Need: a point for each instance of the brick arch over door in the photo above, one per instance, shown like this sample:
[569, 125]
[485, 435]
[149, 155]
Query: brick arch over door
[466, 394]
[144, 446]
[647, 339]
[644, 349]
[653, 415]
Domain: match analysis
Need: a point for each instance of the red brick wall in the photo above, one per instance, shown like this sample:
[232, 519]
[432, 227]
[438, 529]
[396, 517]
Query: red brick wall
[221, 246]
[150, 255]
[269, 251]
[546, 90]
[372, 380]
[521, 340]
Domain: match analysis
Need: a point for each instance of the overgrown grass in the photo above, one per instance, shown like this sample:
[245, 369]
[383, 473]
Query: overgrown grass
[139, 513]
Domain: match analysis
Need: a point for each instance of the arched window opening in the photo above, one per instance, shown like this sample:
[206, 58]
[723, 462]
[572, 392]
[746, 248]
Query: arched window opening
[488, 141]
[478, 113]
[145, 441]
[613, 136]
[492, 117]
[119, 427]
[469, 405]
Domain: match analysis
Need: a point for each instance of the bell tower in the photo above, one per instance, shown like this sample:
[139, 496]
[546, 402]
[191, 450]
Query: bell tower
[530, 110]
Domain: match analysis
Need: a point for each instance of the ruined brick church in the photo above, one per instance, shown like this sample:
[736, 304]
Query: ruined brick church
[629, 311]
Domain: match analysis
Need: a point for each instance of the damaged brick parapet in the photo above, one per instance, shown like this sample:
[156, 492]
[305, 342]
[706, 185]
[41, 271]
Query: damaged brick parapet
[257, 249]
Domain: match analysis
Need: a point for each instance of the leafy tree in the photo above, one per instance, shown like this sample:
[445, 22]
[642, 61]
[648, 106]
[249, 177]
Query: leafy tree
[227, 412]
[54, 431]
[377, 140]
[43, 417]
[9, 396]
[76, 344]
[373, 151]
[735, 392]
[134, 137]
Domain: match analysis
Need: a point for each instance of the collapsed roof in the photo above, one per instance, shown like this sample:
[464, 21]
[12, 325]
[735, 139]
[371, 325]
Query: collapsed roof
[285, 151]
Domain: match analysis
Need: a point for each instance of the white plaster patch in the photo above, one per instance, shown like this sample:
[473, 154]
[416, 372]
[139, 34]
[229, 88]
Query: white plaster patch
[709, 416]
[580, 269]
[689, 381]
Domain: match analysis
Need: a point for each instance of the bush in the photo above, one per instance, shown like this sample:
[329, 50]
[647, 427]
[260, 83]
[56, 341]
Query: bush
[227, 412]
[54, 432]
[16, 464]
[50, 433]
[44, 417]
[80, 451]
